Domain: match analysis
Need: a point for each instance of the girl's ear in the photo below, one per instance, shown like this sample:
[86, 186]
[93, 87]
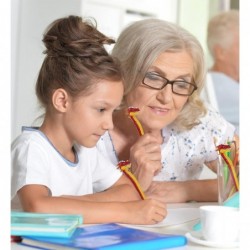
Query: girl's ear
[60, 100]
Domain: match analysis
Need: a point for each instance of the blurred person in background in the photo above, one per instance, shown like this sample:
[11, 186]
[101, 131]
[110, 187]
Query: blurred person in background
[223, 45]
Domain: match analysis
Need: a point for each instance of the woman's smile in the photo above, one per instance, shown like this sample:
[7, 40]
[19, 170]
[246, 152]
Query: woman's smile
[160, 111]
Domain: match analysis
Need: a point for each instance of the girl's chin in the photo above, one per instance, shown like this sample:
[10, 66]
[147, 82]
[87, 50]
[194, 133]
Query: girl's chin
[90, 144]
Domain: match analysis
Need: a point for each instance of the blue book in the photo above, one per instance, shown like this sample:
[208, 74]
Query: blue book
[109, 237]
[43, 224]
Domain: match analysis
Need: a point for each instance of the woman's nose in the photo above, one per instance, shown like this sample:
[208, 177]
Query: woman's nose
[165, 95]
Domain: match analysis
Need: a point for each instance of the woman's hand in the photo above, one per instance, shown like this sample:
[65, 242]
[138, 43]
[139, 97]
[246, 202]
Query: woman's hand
[145, 158]
[184, 191]
[168, 191]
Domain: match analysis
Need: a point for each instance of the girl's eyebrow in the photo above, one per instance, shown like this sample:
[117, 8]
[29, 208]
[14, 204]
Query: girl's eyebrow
[102, 102]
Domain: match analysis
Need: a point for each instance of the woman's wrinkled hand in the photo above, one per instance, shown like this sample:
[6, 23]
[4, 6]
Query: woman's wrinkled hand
[145, 158]
[168, 191]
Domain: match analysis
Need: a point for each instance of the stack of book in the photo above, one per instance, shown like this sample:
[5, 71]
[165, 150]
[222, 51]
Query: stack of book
[42, 224]
[54, 231]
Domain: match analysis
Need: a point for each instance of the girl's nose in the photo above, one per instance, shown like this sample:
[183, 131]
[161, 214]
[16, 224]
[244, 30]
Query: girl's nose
[108, 123]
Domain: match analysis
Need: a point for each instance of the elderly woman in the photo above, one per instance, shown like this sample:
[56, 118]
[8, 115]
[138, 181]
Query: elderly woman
[164, 71]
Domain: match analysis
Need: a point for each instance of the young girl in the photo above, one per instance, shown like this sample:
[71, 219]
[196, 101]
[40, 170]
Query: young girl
[56, 167]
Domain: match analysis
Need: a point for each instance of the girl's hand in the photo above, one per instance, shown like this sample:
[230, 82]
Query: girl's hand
[145, 212]
[145, 158]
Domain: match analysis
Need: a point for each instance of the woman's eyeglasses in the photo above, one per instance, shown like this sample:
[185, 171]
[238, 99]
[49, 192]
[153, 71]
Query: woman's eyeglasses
[179, 87]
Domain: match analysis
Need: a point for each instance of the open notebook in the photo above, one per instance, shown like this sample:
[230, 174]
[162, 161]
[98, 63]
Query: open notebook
[177, 216]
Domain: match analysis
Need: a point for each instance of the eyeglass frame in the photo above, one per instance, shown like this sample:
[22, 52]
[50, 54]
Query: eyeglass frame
[169, 82]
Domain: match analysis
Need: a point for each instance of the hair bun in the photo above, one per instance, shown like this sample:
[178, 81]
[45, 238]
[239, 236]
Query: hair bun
[72, 37]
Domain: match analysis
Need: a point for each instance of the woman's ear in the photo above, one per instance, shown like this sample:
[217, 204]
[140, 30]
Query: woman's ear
[60, 100]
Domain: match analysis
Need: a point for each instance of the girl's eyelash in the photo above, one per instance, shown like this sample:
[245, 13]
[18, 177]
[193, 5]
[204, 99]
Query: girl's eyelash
[101, 110]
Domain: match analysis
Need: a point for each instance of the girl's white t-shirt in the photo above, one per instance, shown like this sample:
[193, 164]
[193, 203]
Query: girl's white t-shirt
[36, 161]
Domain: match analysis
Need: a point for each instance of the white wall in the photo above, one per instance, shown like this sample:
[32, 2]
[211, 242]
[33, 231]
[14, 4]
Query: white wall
[29, 20]
[197, 25]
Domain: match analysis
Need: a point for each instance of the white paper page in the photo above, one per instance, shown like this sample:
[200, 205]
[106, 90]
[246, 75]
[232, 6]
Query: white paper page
[177, 216]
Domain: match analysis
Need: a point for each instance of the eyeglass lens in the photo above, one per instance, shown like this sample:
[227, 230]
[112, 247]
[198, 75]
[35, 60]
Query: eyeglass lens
[156, 81]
